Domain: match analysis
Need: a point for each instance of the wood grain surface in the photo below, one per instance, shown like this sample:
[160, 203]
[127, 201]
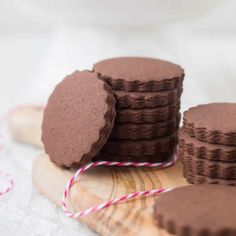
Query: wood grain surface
[99, 184]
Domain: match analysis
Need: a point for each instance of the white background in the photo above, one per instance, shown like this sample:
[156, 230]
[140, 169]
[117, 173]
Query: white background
[42, 41]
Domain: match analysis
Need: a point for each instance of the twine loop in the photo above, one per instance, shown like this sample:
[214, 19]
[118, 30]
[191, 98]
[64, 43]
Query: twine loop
[120, 199]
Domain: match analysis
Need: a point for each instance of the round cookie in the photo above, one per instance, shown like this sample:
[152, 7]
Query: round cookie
[141, 147]
[198, 210]
[78, 119]
[194, 178]
[145, 131]
[158, 157]
[213, 123]
[147, 115]
[137, 100]
[204, 150]
[140, 74]
[212, 169]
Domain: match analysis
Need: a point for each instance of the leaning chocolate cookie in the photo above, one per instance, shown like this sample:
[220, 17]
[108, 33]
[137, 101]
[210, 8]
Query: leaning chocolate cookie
[78, 119]
[198, 210]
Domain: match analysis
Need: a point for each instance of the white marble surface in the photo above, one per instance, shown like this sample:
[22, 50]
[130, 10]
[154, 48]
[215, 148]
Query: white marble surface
[40, 44]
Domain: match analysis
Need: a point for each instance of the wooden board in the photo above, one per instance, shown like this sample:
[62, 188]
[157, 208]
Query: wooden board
[102, 183]
[25, 123]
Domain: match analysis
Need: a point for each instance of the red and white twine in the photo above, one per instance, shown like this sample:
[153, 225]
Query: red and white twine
[83, 169]
[6, 175]
[116, 200]
[10, 185]
[2, 173]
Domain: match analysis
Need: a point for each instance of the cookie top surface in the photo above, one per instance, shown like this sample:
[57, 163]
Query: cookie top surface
[198, 208]
[214, 122]
[78, 119]
[139, 73]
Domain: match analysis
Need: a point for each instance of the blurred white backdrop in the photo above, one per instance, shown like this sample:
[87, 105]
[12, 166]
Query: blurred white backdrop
[42, 41]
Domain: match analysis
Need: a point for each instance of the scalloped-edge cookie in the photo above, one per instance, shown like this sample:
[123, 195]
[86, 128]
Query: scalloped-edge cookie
[212, 169]
[158, 157]
[140, 74]
[78, 119]
[197, 210]
[205, 150]
[213, 123]
[137, 100]
[147, 115]
[140, 147]
[145, 131]
[194, 178]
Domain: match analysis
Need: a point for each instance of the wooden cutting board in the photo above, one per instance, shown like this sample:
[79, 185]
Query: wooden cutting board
[100, 184]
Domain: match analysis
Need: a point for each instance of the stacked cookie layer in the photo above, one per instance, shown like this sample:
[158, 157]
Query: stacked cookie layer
[207, 144]
[147, 93]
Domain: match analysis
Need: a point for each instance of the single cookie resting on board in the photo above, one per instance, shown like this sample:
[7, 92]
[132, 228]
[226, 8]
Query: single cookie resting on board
[158, 157]
[212, 169]
[194, 178]
[78, 119]
[205, 150]
[140, 74]
[137, 100]
[213, 123]
[140, 147]
[198, 210]
[145, 131]
[147, 115]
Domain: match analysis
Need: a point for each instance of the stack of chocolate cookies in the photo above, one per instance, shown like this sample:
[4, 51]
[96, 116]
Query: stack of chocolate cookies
[207, 144]
[147, 93]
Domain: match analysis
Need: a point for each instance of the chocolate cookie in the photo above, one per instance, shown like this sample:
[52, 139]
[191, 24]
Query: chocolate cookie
[140, 74]
[198, 210]
[141, 147]
[78, 119]
[137, 100]
[145, 131]
[147, 115]
[212, 169]
[199, 149]
[213, 123]
[194, 178]
[158, 157]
